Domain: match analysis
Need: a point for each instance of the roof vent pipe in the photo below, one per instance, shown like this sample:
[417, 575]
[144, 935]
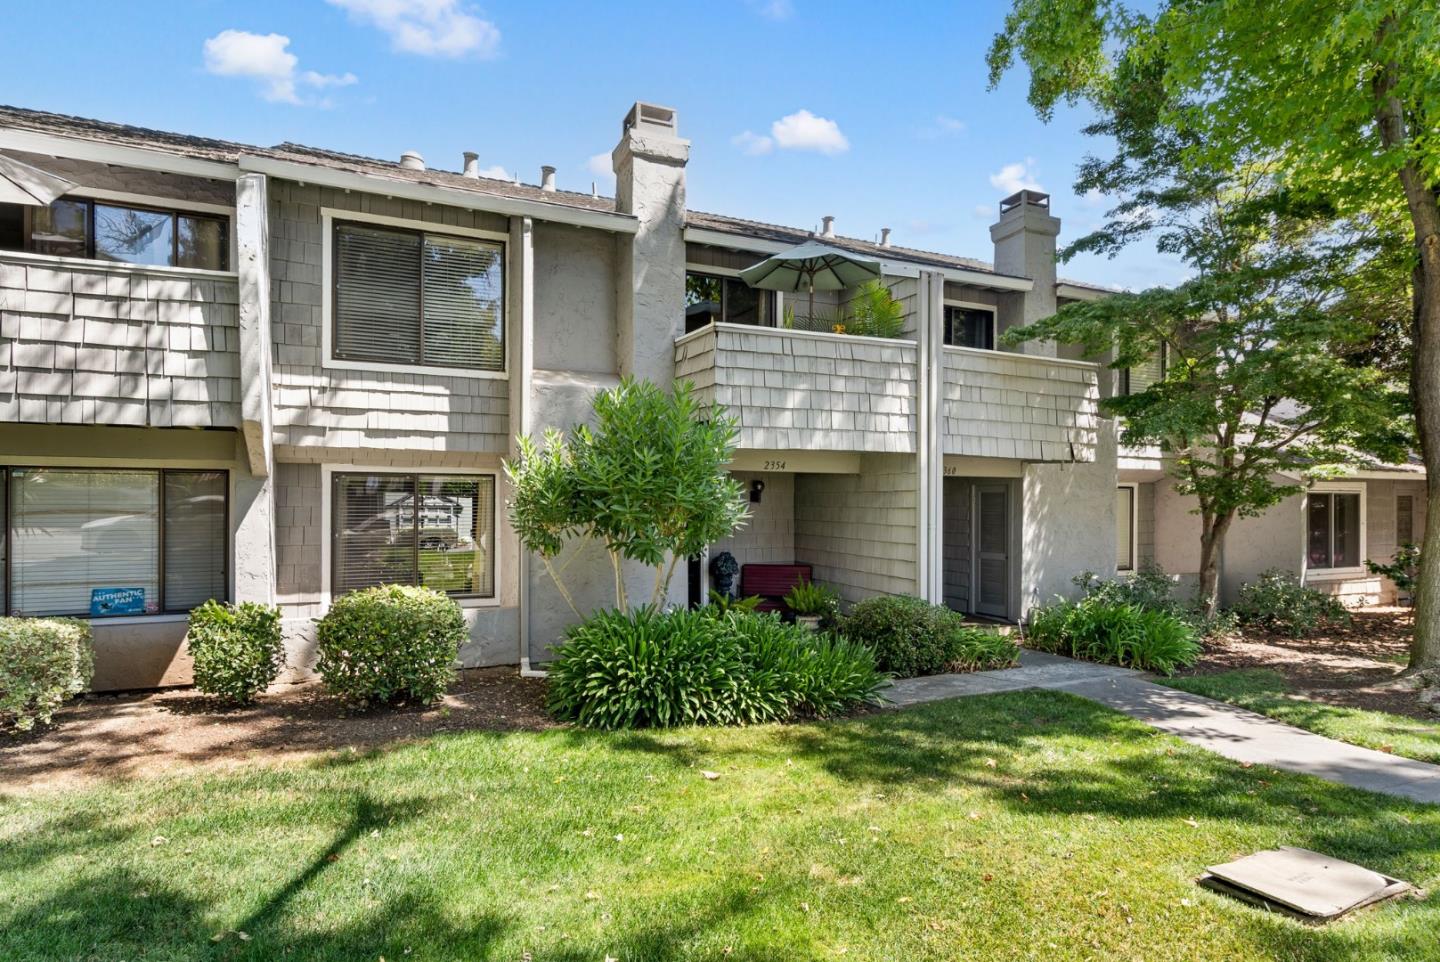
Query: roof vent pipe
[827, 228]
[547, 177]
[472, 164]
[884, 237]
[411, 160]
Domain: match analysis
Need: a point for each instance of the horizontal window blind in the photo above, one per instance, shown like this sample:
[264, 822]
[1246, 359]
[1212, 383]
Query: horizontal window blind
[435, 531]
[73, 531]
[377, 295]
[403, 297]
[196, 539]
[464, 304]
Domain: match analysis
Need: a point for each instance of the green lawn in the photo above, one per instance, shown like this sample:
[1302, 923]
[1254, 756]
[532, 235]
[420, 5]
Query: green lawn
[1267, 692]
[1031, 825]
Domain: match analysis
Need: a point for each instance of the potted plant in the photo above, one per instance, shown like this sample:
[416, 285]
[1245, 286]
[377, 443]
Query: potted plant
[811, 603]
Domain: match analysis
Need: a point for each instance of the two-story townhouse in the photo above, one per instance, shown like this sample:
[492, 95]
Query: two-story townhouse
[279, 374]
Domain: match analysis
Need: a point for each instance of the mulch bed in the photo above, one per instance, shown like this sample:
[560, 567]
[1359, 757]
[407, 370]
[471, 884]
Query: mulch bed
[1356, 666]
[141, 734]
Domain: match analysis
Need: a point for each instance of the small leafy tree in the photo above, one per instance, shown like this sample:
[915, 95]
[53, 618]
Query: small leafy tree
[648, 483]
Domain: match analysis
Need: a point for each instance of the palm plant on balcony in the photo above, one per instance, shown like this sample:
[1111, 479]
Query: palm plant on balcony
[874, 312]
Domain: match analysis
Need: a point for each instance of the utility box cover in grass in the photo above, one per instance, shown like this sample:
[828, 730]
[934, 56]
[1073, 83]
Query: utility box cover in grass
[1303, 881]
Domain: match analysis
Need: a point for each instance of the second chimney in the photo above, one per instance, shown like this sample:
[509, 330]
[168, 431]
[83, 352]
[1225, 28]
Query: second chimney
[547, 177]
[884, 237]
[472, 164]
[827, 228]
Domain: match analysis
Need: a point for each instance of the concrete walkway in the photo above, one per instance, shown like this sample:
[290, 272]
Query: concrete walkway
[1233, 732]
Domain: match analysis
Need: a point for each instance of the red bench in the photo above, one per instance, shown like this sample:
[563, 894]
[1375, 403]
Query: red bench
[771, 582]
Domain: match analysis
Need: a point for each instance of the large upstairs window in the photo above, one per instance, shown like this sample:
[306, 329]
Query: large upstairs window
[969, 327]
[710, 298]
[120, 233]
[414, 298]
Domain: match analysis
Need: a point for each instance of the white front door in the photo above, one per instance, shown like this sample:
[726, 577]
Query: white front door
[992, 550]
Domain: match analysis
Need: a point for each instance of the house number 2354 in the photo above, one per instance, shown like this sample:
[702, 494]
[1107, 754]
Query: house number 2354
[774, 465]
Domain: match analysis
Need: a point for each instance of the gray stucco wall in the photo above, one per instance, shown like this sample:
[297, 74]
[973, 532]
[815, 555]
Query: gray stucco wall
[574, 299]
[98, 344]
[1068, 522]
[328, 414]
[806, 392]
[859, 530]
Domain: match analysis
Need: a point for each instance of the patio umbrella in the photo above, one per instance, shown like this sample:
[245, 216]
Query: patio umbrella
[22, 184]
[811, 266]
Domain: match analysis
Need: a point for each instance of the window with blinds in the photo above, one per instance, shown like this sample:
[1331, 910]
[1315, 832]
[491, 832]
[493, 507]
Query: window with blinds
[437, 531]
[405, 297]
[97, 542]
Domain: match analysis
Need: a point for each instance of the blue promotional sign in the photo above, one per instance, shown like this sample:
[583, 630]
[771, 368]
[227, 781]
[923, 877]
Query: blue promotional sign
[116, 601]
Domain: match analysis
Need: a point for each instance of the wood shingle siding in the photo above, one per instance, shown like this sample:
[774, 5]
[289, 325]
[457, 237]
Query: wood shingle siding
[1003, 405]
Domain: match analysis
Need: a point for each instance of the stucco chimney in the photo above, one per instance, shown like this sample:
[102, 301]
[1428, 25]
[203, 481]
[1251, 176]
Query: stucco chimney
[884, 237]
[472, 164]
[827, 226]
[547, 177]
[649, 164]
[411, 160]
[1024, 239]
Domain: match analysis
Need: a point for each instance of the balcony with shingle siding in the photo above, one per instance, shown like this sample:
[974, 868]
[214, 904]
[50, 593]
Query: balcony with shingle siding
[1002, 405]
[806, 391]
[86, 342]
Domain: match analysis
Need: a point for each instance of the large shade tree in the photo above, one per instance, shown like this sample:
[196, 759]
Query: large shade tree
[1344, 99]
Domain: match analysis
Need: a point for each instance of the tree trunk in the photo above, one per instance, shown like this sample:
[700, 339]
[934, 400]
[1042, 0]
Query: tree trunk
[1422, 199]
[1212, 541]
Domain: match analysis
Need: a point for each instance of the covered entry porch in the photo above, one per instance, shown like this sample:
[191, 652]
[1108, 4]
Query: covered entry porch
[981, 537]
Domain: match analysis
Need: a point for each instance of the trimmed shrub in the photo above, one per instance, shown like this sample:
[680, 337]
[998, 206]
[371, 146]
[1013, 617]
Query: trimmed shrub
[912, 637]
[43, 663]
[1127, 635]
[1279, 603]
[238, 649]
[388, 644]
[649, 669]
[1151, 588]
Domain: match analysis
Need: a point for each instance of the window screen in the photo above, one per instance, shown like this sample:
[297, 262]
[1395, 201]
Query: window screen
[403, 297]
[1125, 528]
[1405, 519]
[195, 538]
[431, 530]
[1333, 530]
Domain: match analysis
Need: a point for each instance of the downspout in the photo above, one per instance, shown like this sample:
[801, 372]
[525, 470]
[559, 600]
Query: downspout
[522, 242]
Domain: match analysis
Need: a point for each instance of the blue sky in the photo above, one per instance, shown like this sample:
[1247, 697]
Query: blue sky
[795, 108]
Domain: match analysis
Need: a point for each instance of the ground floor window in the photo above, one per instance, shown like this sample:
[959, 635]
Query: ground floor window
[98, 542]
[1405, 519]
[1125, 527]
[433, 530]
[1333, 522]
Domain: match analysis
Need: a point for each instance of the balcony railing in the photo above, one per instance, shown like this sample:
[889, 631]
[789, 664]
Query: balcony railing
[806, 391]
[1002, 405]
[85, 342]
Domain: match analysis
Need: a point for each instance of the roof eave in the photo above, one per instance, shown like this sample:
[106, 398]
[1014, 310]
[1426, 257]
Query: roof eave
[895, 267]
[100, 151]
[434, 194]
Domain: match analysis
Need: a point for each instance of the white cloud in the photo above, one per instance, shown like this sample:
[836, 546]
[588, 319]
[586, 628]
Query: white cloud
[1092, 199]
[496, 172]
[773, 9]
[984, 211]
[1016, 176]
[944, 126]
[599, 167]
[752, 143]
[266, 57]
[802, 130]
[430, 28]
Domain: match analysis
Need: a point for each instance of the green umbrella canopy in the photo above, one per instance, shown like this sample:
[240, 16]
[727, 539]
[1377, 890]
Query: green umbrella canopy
[812, 266]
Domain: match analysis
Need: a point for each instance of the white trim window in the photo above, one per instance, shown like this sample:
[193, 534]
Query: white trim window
[411, 299]
[969, 325]
[1127, 512]
[433, 530]
[715, 296]
[142, 232]
[100, 542]
[1335, 528]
